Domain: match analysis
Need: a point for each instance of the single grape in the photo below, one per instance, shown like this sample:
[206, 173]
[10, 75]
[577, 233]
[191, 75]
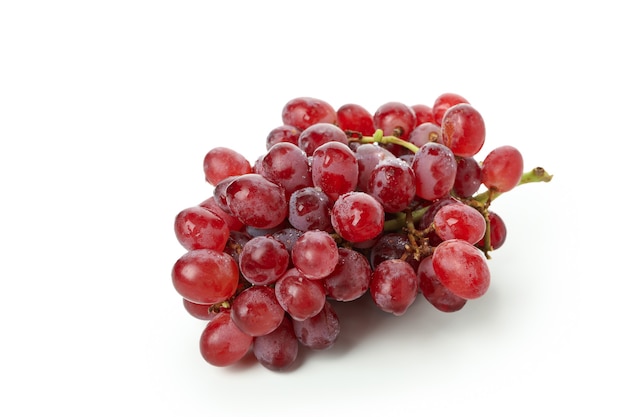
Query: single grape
[424, 133]
[355, 118]
[222, 343]
[351, 277]
[502, 168]
[394, 286]
[357, 217]
[497, 233]
[468, 177]
[391, 246]
[221, 162]
[423, 114]
[199, 228]
[463, 130]
[287, 165]
[277, 350]
[263, 260]
[256, 311]
[320, 331]
[334, 169]
[395, 119]
[256, 201]
[315, 254]
[299, 296]
[460, 221]
[283, 133]
[368, 156]
[392, 183]
[205, 276]
[462, 268]
[199, 311]
[309, 209]
[435, 293]
[302, 112]
[318, 134]
[443, 103]
[435, 171]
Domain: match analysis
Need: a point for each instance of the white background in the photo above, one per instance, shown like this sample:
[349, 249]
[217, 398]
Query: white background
[106, 112]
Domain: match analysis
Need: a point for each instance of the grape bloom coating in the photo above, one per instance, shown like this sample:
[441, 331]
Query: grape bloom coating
[345, 203]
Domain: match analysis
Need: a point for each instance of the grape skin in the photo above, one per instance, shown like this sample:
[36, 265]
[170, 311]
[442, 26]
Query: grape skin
[435, 171]
[222, 343]
[315, 254]
[358, 217]
[205, 276]
[462, 268]
[277, 350]
[394, 286]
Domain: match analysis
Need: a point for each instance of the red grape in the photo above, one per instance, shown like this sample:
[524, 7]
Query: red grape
[497, 230]
[277, 350]
[395, 119]
[320, 331]
[199, 228]
[222, 343]
[256, 201]
[502, 168]
[355, 118]
[315, 254]
[205, 276]
[283, 133]
[263, 260]
[256, 311]
[299, 296]
[334, 169]
[309, 209]
[221, 162]
[423, 114]
[424, 133]
[287, 165]
[468, 177]
[351, 277]
[394, 286]
[392, 183]
[435, 171]
[460, 221]
[462, 268]
[318, 134]
[357, 217]
[303, 112]
[463, 130]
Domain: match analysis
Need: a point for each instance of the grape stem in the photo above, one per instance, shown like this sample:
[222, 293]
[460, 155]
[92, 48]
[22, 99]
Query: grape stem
[379, 137]
[535, 175]
[480, 202]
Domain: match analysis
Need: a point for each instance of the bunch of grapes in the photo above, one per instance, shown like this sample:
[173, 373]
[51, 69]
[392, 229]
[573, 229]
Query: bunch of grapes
[343, 204]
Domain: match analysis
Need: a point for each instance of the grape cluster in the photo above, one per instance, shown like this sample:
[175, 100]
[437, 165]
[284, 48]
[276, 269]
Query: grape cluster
[343, 203]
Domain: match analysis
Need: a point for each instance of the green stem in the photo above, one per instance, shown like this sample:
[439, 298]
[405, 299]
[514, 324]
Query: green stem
[535, 175]
[393, 225]
[378, 137]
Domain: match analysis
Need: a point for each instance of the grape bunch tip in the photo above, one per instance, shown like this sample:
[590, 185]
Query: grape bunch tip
[344, 203]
